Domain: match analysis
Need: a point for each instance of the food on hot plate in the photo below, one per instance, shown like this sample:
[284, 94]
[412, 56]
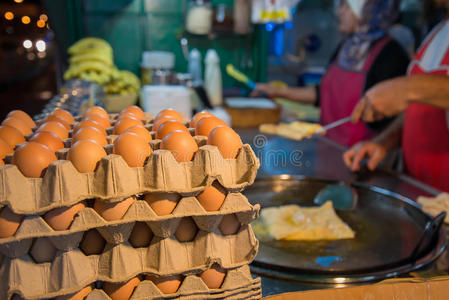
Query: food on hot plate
[295, 130]
[295, 223]
[434, 206]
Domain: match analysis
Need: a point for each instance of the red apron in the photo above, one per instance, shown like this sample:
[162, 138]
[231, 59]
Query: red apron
[425, 139]
[340, 90]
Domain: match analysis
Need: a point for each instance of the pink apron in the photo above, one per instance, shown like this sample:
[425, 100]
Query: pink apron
[340, 90]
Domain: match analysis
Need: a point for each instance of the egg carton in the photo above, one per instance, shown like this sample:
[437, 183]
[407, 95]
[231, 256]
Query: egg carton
[62, 185]
[34, 226]
[238, 284]
[71, 270]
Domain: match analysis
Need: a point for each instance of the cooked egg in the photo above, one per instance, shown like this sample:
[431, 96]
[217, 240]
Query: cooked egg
[229, 224]
[125, 123]
[48, 139]
[141, 235]
[81, 295]
[100, 119]
[62, 217]
[214, 276]
[198, 117]
[11, 135]
[169, 126]
[18, 124]
[132, 148]
[162, 203]
[166, 284]
[206, 124]
[92, 243]
[170, 112]
[140, 131]
[42, 250]
[53, 118]
[181, 144]
[186, 230]
[5, 149]
[134, 110]
[158, 122]
[89, 123]
[121, 291]
[226, 140]
[33, 158]
[113, 211]
[9, 222]
[85, 154]
[23, 116]
[90, 133]
[55, 127]
[64, 114]
[212, 197]
[96, 110]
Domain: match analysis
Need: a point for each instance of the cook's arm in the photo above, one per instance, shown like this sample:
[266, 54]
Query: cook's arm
[306, 95]
[429, 89]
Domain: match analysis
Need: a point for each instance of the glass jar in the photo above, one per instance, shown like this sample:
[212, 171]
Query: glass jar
[223, 20]
[199, 17]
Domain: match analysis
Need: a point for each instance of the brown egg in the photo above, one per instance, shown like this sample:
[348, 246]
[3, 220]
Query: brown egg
[206, 124]
[214, 276]
[5, 149]
[125, 123]
[226, 140]
[141, 235]
[23, 116]
[229, 224]
[33, 158]
[169, 126]
[62, 217]
[53, 118]
[121, 291]
[42, 250]
[64, 114]
[181, 144]
[96, 110]
[162, 203]
[166, 284]
[81, 295]
[89, 133]
[170, 112]
[198, 117]
[48, 139]
[100, 119]
[132, 148]
[134, 110]
[89, 123]
[55, 127]
[113, 211]
[85, 154]
[140, 131]
[186, 230]
[9, 222]
[212, 197]
[158, 122]
[18, 124]
[92, 243]
[11, 135]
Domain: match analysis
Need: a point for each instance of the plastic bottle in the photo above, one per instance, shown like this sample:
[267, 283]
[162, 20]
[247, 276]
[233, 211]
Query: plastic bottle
[212, 78]
[194, 67]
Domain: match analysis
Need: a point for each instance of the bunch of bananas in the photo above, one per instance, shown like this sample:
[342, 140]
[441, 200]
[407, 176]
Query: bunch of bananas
[92, 59]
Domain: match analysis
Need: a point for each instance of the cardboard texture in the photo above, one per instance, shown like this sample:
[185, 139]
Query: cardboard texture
[397, 289]
[63, 185]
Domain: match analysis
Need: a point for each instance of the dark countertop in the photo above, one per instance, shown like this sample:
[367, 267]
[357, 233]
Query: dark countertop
[320, 157]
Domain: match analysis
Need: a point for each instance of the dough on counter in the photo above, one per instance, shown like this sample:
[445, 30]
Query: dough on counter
[295, 223]
[433, 206]
[295, 130]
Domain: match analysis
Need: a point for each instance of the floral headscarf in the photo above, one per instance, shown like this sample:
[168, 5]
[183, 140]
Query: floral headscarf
[377, 16]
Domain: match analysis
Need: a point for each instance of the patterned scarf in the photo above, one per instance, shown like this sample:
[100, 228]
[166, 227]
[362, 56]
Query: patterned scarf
[377, 17]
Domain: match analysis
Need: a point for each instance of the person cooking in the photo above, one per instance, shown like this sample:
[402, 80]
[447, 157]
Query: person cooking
[423, 129]
[367, 56]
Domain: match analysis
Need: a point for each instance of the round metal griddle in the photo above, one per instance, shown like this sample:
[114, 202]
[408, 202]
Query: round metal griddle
[387, 226]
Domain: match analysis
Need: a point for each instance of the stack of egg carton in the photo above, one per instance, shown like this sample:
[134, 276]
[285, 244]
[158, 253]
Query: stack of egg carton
[69, 269]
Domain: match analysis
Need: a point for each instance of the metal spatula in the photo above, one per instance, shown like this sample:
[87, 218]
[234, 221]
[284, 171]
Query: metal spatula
[333, 125]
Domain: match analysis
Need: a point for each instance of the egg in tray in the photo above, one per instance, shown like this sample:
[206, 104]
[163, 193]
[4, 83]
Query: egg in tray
[129, 196]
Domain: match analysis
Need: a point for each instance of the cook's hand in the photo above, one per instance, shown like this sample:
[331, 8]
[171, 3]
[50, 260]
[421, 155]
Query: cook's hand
[266, 90]
[383, 100]
[375, 152]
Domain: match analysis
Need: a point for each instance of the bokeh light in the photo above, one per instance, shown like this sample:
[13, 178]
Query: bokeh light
[43, 17]
[40, 45]
[27, 44]
[26, 20]
[18, 1]
[41, 24]
[9, 15]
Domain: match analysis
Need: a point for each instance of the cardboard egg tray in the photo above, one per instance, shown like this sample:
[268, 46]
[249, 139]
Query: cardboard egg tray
[71, 269]
[113, 179]
[34, 226]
